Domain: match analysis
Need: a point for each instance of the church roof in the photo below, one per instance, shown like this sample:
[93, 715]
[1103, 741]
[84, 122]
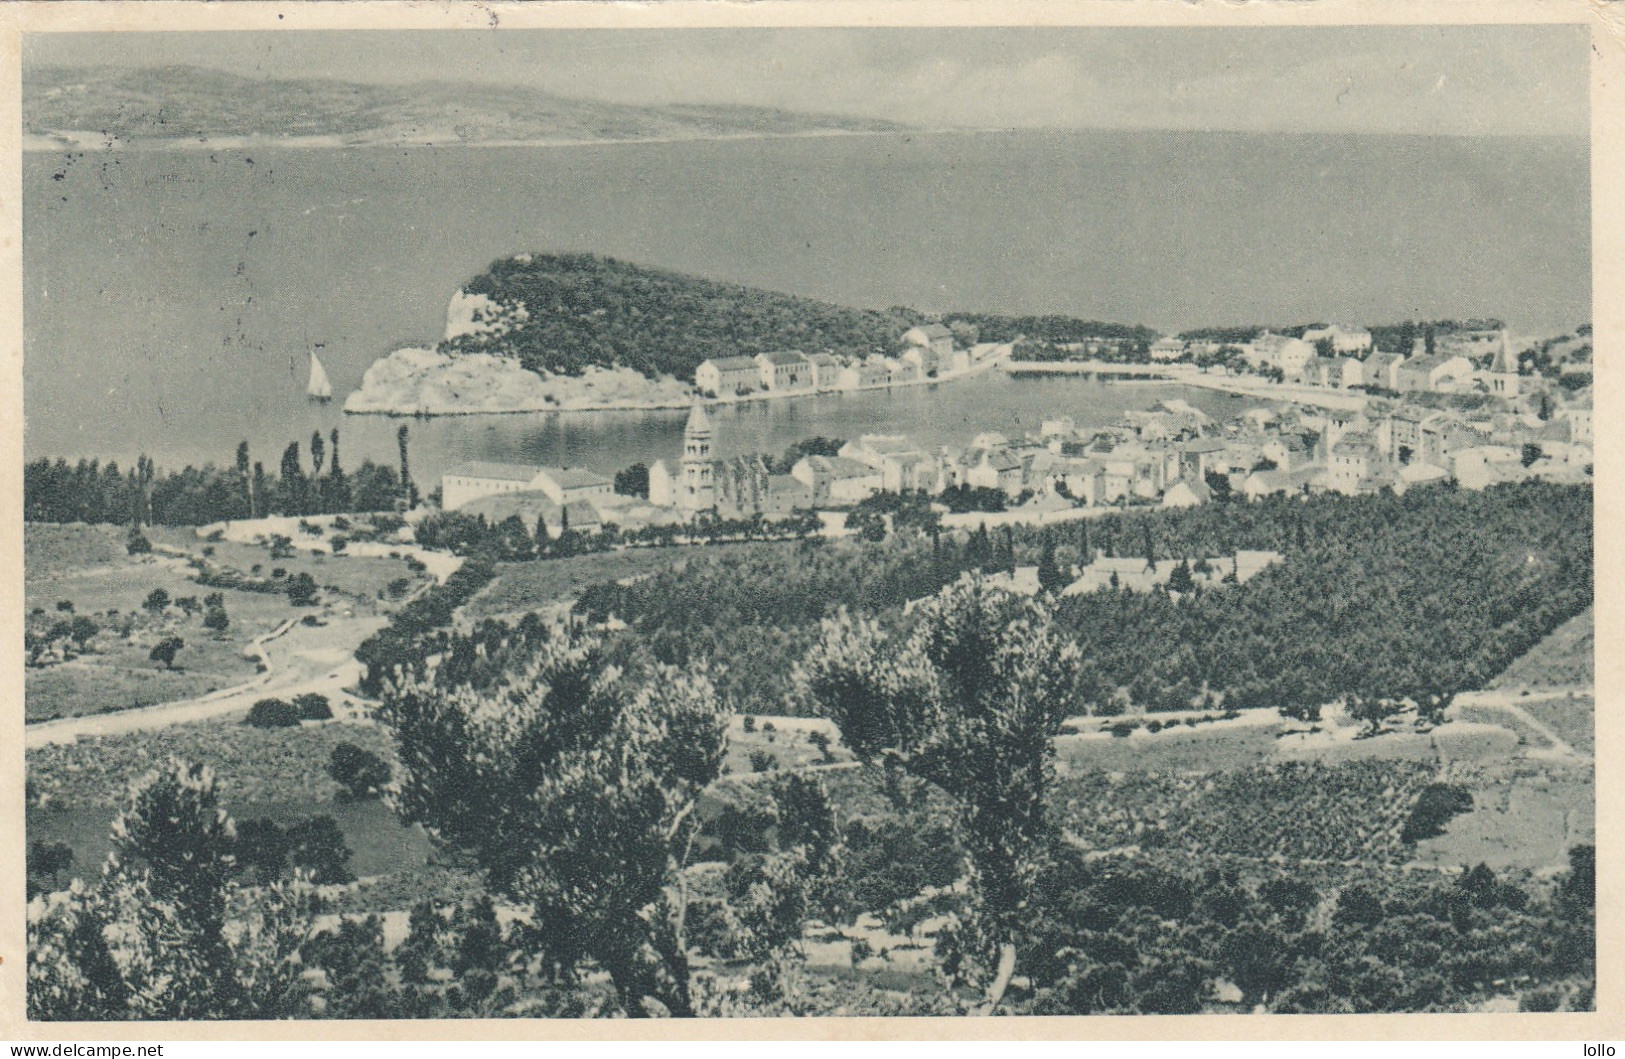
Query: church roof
[490, 471]
[698, 421]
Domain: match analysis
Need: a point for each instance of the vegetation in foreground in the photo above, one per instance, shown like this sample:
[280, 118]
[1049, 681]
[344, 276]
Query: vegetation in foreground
[571, 787]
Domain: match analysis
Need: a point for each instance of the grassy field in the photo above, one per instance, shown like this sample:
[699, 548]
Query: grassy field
[254, 764]
[1563, 659]
[1526, 814]
[521, 587]
[87, 566]
[362, 578]
[1572, 716]
[380, 844]
[52, 549]
[116, 672]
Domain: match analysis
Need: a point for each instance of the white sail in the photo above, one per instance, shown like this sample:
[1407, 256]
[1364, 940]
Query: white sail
[319, 387]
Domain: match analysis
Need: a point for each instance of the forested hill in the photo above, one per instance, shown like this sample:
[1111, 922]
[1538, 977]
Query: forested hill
[582, 309]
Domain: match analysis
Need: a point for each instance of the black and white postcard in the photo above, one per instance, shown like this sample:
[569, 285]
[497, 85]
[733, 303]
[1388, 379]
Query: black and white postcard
[557, 512]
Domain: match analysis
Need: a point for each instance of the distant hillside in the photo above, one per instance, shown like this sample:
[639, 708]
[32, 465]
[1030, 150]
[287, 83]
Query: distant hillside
[560, 313]
[187, 103]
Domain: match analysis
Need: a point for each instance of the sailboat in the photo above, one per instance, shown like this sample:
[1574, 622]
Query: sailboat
[318, 388]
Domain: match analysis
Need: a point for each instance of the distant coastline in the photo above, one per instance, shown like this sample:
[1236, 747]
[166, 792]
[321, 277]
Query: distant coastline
[1190, 375]
[76, 140]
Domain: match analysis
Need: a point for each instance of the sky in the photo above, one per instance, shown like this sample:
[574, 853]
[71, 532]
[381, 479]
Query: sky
[1455, 80]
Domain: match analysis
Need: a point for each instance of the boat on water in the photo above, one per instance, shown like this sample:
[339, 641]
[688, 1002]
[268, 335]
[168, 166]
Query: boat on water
[319, 388]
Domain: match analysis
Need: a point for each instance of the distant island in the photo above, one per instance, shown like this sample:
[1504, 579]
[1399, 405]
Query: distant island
[187, 106]
[547, 332]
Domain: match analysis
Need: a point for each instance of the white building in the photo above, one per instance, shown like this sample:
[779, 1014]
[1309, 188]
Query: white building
[1343, 339]
[784, 371]
[562, 485]
[728, 376]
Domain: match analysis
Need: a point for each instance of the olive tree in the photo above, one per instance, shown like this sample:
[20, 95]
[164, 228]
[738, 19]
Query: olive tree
[968, 700]
[573, 788]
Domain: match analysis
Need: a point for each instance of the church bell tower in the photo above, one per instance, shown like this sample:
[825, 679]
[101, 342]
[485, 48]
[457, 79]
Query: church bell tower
[699, 492]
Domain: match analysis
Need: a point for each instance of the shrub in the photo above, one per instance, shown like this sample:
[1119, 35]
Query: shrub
[165, 650]
[156, 601]
[360, 772]
[214, 614]
[763, 761]
[1122, 729]
[302, 590]
[272, 713]
[312, 706]
[1434, 808]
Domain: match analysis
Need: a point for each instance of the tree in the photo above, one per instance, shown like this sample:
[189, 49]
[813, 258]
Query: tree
[820, 742]
[338, 487]
[633, 481]
[245, 479]
[214, 613]
[155, 603]
[135, 542]
[1180, 580]
[302, 590]
[574, 789]
[318, 457]
[1050, 578]
[81, 629]
[150, 939]
[174, 842]
[401, 438]
[969, 701]
[360, 772]
[317, 845]
[564, 545]
[1372, 710]
[1531, 453]
[292, 484]
[1577, 895]
[49, 859]
[262, 846]
[272, 713]
[166, 650]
